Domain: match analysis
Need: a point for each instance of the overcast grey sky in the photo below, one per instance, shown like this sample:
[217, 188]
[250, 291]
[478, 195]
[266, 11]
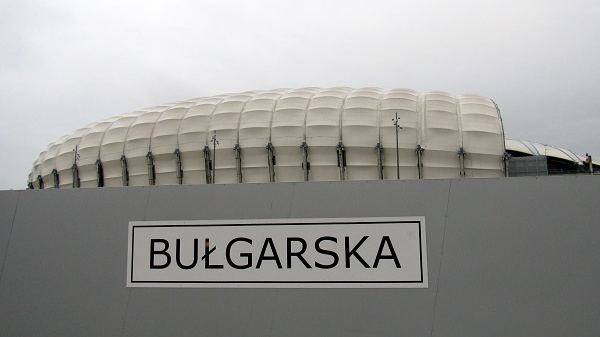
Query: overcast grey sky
[65, 64]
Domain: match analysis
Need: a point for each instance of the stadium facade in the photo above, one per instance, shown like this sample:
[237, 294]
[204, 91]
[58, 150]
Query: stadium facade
[290, 135]
[308, 134]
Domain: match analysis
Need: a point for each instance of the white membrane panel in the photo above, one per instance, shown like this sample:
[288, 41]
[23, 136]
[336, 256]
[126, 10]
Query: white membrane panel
[340, 128]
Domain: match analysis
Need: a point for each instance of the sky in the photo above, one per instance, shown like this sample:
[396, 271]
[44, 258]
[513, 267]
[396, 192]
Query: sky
[66, 64]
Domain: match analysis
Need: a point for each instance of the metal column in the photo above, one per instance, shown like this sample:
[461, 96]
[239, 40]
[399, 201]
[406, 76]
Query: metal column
[305, 162]
[419, 152]
[238, 161]
[151, 173]
[124, 171]
[56, 178]
[75, 171]
[271, 161]
[207, 165]
[178, 169]
[99, 173]
[461, 157]
[341, 160]
[505, 158]
[379, 149]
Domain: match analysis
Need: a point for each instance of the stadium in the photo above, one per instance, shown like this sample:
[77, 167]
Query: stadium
[303, 212]
[290, 135]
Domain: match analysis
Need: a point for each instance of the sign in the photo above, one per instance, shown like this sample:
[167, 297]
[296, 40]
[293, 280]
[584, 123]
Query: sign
[282, 253]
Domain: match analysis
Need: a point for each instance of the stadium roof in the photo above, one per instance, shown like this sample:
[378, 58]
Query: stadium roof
[307, 134]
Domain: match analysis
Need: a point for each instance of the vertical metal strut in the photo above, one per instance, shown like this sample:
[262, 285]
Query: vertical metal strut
[56, 178]
[341, 159]
[505, 158]
[75, 170]
[178, 169]
[379, 149]
[124, 171]
[238, 161]
[207, 165]
[419, 152]
[461, 157]
[151, 172]
[305, 162]
[271, 161]
[99, 173]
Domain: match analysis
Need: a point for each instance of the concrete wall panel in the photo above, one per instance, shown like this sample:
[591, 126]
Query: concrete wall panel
[65, 265]
[515, 256]
[8, 208]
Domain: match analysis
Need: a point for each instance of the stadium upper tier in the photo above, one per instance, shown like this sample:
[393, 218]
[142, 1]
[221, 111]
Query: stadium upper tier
[307, 134]
[525, 148]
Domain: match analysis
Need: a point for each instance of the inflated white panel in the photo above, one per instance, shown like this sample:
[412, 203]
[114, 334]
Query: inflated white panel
[89, 152]
[288, 132]
[407, 159]
[255, 168]
[481, 136]
[49, 162]
[138, 171]
[66, 157]
[166, 129]
[288, 126]
[323, 132]
[360, 119]
[165, 170]
[255, 134]
[137, 142]
[360, 133]
[89, 146]
[87, 176]
[113, 147]
[441, 137]
[255, 121]
[137, 145]
[323, 117]
[33, 175]
[288, 161]
[225, 166]
[192, 164]
[225, 120]
[193, 137]
[164, 141]
[225, 125]
[193, 131]
[112, 173]
[113, 143]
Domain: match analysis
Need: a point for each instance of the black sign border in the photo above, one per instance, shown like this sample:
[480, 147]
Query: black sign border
[420, 223]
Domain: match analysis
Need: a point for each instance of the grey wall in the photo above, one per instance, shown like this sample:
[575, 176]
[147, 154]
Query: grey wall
[506, 257]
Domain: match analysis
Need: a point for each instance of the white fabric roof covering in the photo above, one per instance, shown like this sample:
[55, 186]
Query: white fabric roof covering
[357, 119]
[538, 149]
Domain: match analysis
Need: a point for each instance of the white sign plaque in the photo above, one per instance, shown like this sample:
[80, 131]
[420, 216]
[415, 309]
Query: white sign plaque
[280, 253]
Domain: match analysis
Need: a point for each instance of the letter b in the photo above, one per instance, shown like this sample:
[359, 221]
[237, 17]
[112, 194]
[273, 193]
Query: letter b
[154, 252]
